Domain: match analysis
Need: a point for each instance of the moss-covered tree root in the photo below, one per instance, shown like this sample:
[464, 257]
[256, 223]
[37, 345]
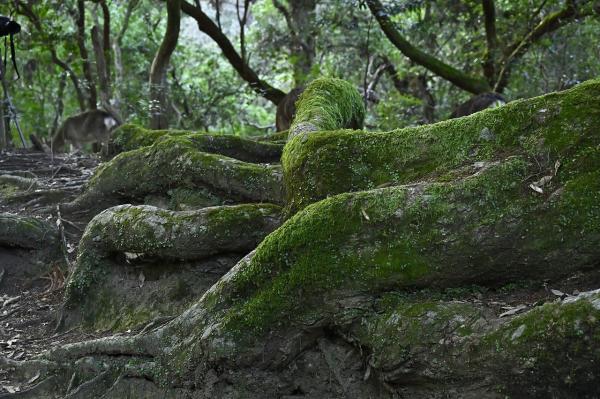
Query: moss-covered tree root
[27, 232]
[183, 247]
[173, 165]
[327, 104]
[545, 128]
[335, 287]
[131, 137]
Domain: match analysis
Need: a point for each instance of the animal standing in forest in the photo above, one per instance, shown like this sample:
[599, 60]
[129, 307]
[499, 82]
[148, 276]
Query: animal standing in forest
[93, 126]
[478, 103]
[286, 109]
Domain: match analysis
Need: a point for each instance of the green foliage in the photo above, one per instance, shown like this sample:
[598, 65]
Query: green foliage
[209, 95]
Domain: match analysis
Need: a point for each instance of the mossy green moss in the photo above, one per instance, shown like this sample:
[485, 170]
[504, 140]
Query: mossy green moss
[403, 328]
[475, 230]
[547, 128]
[172, 237]
[174, 162]
[328, 104]
[130, 137]
[167, 234]
[550, 350]
[554, 348]
[27, 232]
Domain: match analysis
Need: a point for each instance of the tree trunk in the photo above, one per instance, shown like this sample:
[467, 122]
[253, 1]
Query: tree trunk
[101, 68]
[300, 19]
[87, 68]
[119, 72]
[3, 141]
[158, 72]
[3, 134]
[303, 48]
[74, 79]
[60, 105]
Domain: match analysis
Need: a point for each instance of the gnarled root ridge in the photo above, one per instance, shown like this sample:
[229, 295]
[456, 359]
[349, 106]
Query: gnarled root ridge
[140, 262]
[176, 173]
[131, 137]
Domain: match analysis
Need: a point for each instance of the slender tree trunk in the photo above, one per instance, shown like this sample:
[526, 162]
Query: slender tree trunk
[74, 79]
[299, 17]
[102, 69]
[60, 105]
[87, 68]
[303, 47]
[3, 141]
[158, 71]
[3, 135]
[491, 54]
[119, 72]
[106, 36]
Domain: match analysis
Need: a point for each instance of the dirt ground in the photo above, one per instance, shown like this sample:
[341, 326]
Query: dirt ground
[31, 290]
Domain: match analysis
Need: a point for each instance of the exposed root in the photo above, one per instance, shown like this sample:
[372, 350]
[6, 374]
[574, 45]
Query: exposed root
[140, 346]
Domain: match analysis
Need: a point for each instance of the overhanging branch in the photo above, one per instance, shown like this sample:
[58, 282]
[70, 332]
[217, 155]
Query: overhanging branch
[206, 25]
[453, 75]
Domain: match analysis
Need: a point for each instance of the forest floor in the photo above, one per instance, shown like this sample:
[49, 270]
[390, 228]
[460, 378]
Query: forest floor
[29, 307]
[30, 300]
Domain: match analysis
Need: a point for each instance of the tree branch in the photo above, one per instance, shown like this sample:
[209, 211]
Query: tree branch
[549, 24]
[27, 11]
[131, 5]
[206, 25]
[287, 16]
[453, 75]
[489, 14]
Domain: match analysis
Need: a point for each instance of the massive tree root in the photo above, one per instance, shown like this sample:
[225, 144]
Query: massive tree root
[175, 172]
[131, 137]
[344, 299]
[136, 263]
[27, 246]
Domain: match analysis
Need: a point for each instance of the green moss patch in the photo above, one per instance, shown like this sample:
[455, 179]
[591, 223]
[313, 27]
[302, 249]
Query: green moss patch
[327, 104]
[547, 128]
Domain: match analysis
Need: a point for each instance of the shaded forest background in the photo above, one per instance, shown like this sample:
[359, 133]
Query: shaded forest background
[539, 45]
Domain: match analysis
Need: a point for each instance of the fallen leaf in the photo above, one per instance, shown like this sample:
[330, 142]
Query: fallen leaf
[513, 311]
[558, 293]
[364, 213]
[32, 379]
[536, 188]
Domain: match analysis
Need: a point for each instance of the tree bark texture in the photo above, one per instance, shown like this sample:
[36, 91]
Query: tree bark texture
[158, 72]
